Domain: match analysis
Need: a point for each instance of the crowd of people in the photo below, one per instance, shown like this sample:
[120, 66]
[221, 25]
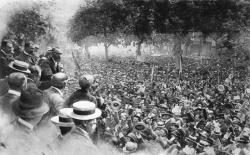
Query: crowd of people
[128, 105]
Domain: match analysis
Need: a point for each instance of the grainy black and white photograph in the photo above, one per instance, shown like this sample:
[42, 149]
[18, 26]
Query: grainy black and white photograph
[125, 77]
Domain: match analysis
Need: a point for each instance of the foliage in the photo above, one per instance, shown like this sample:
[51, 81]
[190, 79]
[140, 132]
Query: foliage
[29, 25]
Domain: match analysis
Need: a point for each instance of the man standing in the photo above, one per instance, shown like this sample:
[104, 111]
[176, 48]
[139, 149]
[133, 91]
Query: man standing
[54, 95]
[52, 65]
[81, 94]
[6, 56]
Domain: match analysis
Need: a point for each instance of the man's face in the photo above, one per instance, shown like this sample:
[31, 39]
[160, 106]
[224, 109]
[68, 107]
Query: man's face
[30, 49]
[57, 57]
[9, 48]
[91, 126]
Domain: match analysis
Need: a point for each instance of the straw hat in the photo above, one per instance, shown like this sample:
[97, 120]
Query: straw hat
[84, 110]
[20, 66]
[63, 118]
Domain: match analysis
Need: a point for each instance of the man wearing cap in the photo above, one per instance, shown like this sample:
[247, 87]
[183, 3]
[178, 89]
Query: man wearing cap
[51, 65]
[81, 94]
[17, 82]
[6, 56]
[28, 55]
[54, 95]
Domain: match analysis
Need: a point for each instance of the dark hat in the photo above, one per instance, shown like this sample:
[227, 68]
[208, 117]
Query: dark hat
[84, 83]
[57, 50]
[140, 126]
[20, 66]
[59, 80]
[31, 104]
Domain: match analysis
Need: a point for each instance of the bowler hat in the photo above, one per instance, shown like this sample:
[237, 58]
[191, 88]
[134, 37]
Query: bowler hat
[31, 104]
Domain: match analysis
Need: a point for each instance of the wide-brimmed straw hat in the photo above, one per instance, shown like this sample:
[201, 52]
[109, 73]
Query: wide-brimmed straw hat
[84, 110]
[31, 104]
[20, 66]
[63, 118]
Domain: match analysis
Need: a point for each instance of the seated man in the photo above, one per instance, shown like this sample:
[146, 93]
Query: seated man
[51, 65]
[17, 82]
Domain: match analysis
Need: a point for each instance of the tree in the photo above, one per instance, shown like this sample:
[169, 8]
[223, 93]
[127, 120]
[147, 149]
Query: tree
[29, 25]
[102, 19]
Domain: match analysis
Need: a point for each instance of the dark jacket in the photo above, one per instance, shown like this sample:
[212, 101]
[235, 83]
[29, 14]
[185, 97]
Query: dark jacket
[78, 96]
[28, 58]
[49, 68]
[4, 62]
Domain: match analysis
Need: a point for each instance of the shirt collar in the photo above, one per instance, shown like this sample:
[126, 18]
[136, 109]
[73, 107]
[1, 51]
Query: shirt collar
[14, 92]
[25, 123]
[58, 90]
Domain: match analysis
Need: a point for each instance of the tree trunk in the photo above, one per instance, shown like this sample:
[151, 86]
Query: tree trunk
[86, 50]
[138, 50]
[106, 51]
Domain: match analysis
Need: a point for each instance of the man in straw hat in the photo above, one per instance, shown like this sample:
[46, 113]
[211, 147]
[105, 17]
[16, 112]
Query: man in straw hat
[84, 115]
[14, 66]
[17, 82]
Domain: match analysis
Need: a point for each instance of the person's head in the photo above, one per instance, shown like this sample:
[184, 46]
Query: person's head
[59, 80]
[63, 121]
[17, 81]
[84, 84]
[29, 47]
[56, 54]
[7, 47]
[31, 106]
[84, 115]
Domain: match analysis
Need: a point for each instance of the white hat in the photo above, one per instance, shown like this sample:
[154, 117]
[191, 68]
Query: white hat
[84, 110]
[20, 66]
[63, 118]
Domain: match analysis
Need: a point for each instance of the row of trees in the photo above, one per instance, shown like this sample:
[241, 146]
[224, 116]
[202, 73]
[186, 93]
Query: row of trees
[113, 22]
